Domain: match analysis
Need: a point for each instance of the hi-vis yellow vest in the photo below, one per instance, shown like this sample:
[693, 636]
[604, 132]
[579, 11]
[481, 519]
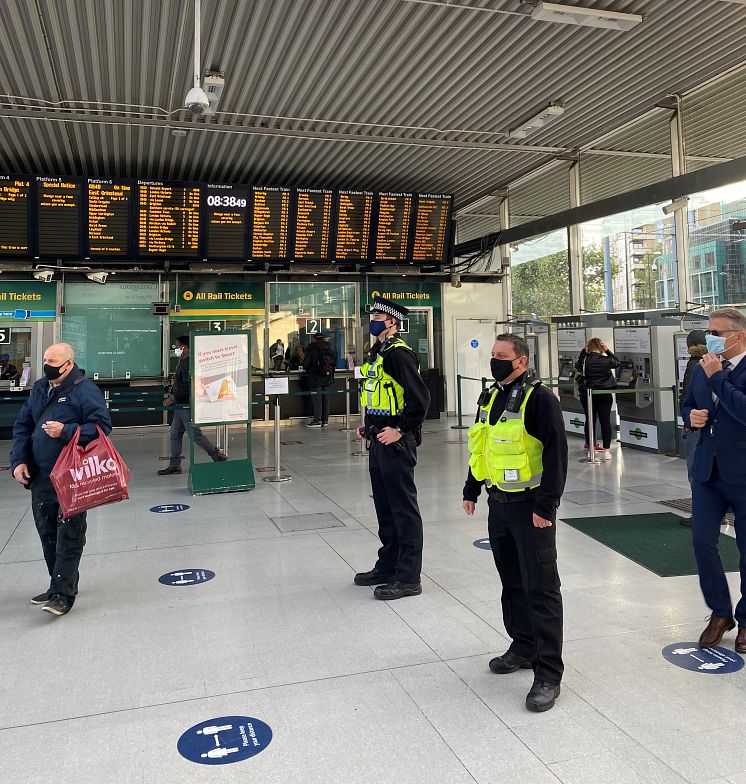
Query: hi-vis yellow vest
[381, 393]
[504, 455]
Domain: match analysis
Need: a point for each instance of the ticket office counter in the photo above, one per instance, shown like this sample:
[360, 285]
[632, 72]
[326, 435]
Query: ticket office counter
[294, 404]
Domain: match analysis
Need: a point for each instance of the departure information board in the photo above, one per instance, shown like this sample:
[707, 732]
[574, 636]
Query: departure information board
[270, 213]
[392, 234]
[109, 211]
[313, 221]
[58, 201]
[15, 194]
[167, 219]
[432, 219]
[225, 213]
[354, 211]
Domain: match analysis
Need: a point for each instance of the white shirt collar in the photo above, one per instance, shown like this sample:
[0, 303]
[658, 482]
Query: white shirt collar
[735, 360]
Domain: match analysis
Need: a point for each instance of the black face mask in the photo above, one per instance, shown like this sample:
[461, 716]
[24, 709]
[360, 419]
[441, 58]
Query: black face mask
[501, 368]
[52, 372]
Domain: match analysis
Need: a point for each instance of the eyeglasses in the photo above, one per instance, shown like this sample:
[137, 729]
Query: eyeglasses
[718, 333]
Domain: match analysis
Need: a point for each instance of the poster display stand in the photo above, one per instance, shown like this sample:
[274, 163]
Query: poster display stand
[220, 365]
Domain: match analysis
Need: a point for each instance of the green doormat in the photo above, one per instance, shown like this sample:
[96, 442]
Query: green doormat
[655, 541]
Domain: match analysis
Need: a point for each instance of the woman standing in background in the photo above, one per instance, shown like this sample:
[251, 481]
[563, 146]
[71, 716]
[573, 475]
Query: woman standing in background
[595, 364]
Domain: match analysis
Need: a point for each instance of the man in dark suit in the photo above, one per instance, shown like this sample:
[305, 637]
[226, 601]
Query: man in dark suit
[715, 404]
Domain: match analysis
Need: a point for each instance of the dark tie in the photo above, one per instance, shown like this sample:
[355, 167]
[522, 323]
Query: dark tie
[727, 366]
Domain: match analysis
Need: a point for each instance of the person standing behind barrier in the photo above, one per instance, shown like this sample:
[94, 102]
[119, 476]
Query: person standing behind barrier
[395, 400]
[58, 405]
[320, 362]
[695, 343]
[715, 405]
[596, 363]
[180, 393]
[518, 450]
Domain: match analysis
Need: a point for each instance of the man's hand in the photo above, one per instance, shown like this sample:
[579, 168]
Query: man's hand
[389, 435]
[360, 432]
[541, 522]
[168, 401]
[711, 363]
[469, 507]
[698, 417]
[53, 429]
[21, 474]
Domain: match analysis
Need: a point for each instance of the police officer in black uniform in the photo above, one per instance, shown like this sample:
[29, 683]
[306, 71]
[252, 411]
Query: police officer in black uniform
[519, 450]
[396, 400]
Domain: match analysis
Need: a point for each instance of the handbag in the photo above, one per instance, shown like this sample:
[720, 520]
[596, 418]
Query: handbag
[85, 477]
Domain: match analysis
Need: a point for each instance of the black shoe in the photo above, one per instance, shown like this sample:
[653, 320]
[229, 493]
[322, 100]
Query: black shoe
[397, 590]
[687, 521]
[509, 662]
[220, 458]
[42, 598]
[542, 696]
[373, 577]
[168, 471]
[314, 424]
[57, 605]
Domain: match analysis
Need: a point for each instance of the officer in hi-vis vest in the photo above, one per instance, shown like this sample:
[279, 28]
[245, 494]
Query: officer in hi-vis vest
[396, 400]
[519, 451]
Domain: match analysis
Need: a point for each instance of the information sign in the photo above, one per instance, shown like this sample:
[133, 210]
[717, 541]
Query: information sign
[221, 377]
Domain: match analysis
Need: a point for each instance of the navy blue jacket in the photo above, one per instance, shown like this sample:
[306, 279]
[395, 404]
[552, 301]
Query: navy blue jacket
[78, 404]
[724, 435]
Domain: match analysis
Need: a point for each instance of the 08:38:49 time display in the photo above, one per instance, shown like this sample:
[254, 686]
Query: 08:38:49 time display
[226, 201]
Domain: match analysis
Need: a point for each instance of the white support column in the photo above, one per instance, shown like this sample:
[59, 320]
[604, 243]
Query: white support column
[573, 240]
[681, 216]
[504, 259]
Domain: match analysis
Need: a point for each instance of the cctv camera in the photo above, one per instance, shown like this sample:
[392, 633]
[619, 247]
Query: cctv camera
[196, 101]
[44, 275]
[456, 280]
[674, 206]
[97, 277]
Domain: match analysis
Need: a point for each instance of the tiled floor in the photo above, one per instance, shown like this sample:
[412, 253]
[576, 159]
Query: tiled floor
[355, 690]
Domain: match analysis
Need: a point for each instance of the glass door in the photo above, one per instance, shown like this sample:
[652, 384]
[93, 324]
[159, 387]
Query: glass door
[417, 331]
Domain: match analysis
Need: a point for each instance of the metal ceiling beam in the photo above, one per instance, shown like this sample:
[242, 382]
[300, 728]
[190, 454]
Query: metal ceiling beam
[705, 179]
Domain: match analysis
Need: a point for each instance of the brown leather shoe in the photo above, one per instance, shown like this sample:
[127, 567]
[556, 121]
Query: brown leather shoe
[741, 640]
[715, 630]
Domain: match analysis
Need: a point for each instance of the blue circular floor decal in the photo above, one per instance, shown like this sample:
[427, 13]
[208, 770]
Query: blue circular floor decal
[483, 544]
[186, 577]
[224, 740]
[168, 508]
[690, 656]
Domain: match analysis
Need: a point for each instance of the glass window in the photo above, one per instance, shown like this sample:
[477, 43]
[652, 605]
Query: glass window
[112, 328]
[717, 232]
[540, 276]
[625, 258]
[16, 355]
[185, 328]
[696, 262]
[300, 310]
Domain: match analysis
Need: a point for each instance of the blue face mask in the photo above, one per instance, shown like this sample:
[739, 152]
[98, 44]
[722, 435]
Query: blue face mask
[376, 327]
[715, 344]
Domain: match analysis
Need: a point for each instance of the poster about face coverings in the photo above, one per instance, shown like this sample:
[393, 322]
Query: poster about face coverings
[221, 378]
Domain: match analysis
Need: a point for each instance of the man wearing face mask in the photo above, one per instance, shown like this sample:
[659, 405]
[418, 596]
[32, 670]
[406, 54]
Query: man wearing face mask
[519, 452]
[8, 371]
[179, 393]
[715, 405]
[58, 404]
[396, 400]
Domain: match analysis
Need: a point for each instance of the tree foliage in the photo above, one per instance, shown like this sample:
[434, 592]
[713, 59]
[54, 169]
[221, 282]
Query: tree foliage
[542, 286]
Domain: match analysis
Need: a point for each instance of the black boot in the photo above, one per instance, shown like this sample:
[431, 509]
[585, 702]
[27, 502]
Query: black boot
[542, 696]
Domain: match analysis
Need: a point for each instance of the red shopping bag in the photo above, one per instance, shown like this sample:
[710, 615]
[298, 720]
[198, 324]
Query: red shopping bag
[85, 477]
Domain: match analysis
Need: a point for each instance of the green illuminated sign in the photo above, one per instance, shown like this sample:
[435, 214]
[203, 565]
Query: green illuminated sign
[204, 300]
[27, 300]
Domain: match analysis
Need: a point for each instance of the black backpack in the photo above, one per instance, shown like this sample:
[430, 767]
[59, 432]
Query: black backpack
[324, 363]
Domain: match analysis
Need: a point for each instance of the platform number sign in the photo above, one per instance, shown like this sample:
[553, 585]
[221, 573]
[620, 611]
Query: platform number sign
[4, 335]
[404, 329]
[217, 326]
[312, 326]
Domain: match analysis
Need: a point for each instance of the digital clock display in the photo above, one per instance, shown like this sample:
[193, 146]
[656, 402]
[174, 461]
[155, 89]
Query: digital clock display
[225, 215]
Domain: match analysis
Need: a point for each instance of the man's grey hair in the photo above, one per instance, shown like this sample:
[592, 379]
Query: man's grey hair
[736, 318]
[519, 343]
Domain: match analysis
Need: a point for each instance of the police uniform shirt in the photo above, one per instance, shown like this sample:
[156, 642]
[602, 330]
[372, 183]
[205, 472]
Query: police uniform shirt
[401, 365]
[543, 421]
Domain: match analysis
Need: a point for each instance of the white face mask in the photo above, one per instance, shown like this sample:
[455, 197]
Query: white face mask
[178, 352]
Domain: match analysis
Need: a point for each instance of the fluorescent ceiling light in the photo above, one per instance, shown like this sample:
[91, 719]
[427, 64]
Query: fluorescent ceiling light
[586, 17]
[543, 118]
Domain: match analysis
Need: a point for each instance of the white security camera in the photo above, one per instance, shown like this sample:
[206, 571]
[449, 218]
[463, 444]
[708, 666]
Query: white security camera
[44, 275]
[196, 101]
[674, 206]
[97, 277]
[456, 280]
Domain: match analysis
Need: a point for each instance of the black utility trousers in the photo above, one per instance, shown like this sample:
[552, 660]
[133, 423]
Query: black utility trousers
[526, 560]
[395, 497]
[62, 541]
